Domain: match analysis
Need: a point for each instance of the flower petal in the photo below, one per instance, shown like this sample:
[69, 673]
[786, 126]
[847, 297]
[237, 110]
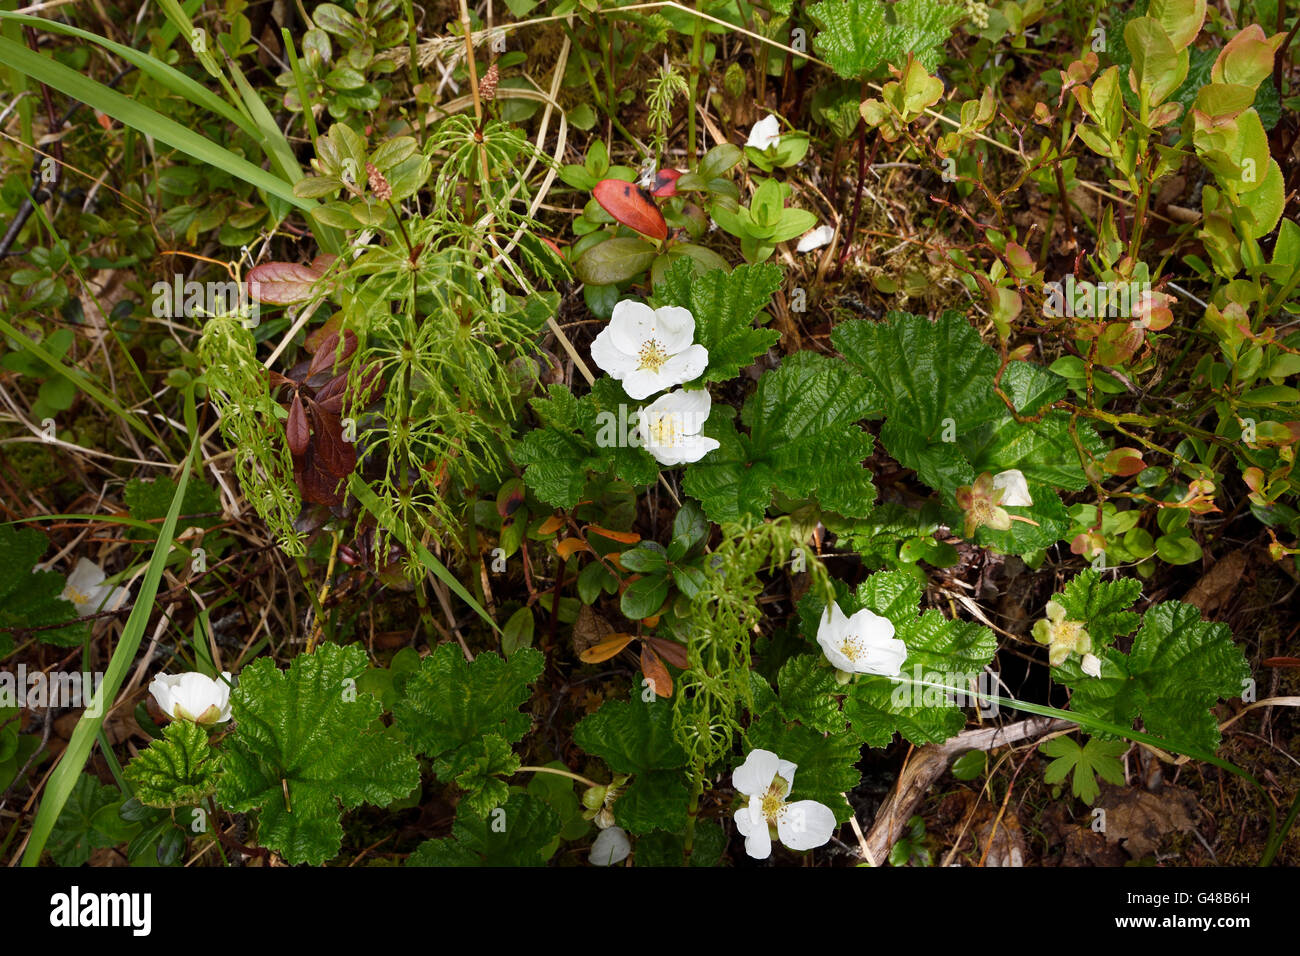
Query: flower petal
[610, 846]
[609, 357]
[630, 325]
[685, 366]
[805, 824]
[641, 383]
[758, 842]
[754, 776]
[674, 328]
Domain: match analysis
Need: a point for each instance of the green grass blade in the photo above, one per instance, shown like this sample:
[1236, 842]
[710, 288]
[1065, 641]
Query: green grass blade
[376, 507]
[168, 76]
[147, 121]
[74, 758]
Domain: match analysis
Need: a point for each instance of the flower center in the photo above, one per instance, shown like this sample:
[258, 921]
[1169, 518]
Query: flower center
[774, 799]
[77, 597]
[665, 430]
[652, 356]
[771, 806]
[850, 647]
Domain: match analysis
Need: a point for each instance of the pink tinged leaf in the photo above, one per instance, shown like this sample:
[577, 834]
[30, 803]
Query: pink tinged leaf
[282, 283]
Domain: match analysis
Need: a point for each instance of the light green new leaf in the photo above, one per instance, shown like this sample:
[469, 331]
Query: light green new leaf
[1096, 758]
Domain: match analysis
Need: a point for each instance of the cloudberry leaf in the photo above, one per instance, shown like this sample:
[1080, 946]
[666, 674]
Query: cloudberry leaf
[725, 306]
[177, 771]
[803, 440]
[1178, 668]
[309, 732]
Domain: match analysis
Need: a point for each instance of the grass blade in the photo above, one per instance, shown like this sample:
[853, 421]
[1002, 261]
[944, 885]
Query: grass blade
[147, 121]
[168, 76]
[74, 758]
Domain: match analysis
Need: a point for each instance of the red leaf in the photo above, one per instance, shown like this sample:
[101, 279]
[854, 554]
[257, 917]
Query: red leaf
[281, 283]
[666, 182]
[337, 456]
[632, 207]
[329, 356]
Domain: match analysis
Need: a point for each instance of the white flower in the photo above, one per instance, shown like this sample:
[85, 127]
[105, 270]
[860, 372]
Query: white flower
[1015, 492]
[85, 589]
[861, 644]
[766, 133]
[669, 427]
[611, 846]
[1091, 665]
[193, 696]
[767, 780]
[815, 239]
[649, 350]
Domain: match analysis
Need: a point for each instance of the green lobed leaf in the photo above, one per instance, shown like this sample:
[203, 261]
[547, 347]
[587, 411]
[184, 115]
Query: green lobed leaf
[725, 306]
[803, 439]
[1102, 605]
[519, 833]
[31, 598]
[1086, 763]
[178, 770]
[308, 731]
[465, 716]
[632, 736]
[1178, 667]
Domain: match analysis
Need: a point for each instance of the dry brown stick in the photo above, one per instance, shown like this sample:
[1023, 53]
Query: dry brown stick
[928, 765]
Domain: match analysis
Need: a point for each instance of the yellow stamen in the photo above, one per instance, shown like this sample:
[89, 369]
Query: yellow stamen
[653, 356]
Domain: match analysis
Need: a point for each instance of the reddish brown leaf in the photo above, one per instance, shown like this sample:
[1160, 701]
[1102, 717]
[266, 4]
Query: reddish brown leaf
[1282, 662]
[632, 207]
[330, 395]
[298, 431]
[666, 182]
[551, 525]
[622, 537]
[314, 338]
[670, 651]
[281, 283]
[655, 672]
[337, 456]
[571, 546]
[330, 355]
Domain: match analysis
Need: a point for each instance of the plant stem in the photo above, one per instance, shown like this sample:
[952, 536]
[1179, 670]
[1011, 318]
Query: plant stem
[559, 773]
